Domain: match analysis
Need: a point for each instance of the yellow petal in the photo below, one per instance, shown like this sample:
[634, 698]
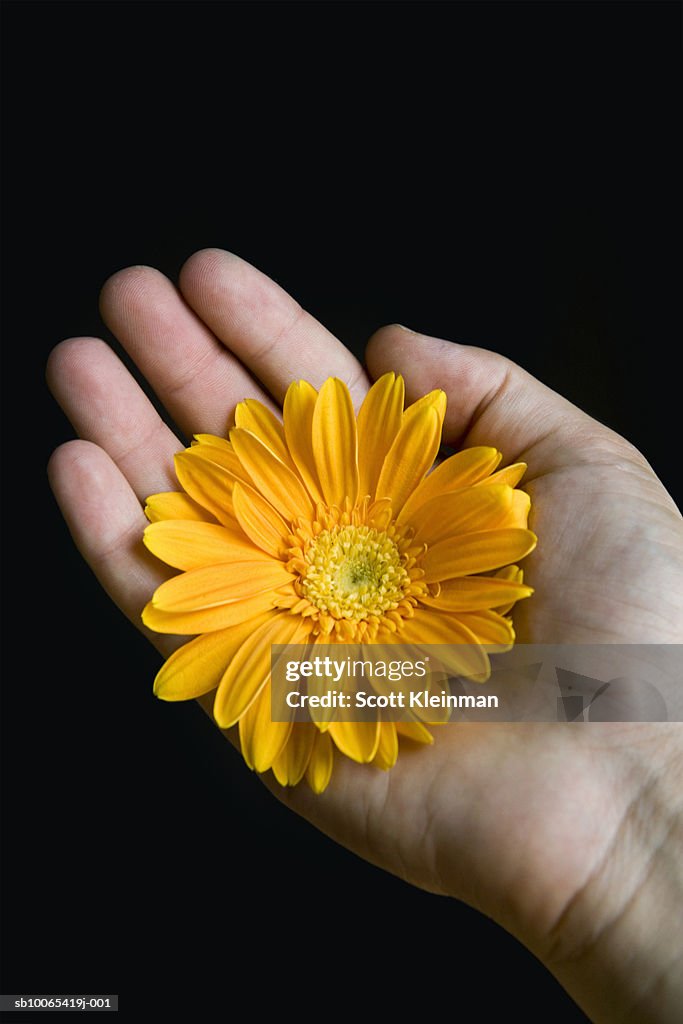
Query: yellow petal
[319, 768]
[460, 470]
[433, 400]
[250, 668]
[207, 620]
[513, 574]
[208, 484]
[197, 667]
[213, 440]
[220, 584]
[175, 505]
[335, 443]
[519, 513]
[259, 520]
[489, 627]
[291, 763]
[259, 420]
[476, 552]
[467, 511]
[223, 456]
[470, 593]
[387, 748]
[414, 731]
[461, 652]
[379, 421]
[410, 456]
[272, 478]
[511, 476]
[262, 739]
[358, 740]
[191, 545]
[298, 409]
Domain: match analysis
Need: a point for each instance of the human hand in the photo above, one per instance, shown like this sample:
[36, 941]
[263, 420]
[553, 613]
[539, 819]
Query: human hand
[522, 821]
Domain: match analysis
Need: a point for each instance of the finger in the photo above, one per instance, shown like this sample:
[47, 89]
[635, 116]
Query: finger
[106, 522]
[106, 406]
[491, 401]
[264, 326]
[193, 374]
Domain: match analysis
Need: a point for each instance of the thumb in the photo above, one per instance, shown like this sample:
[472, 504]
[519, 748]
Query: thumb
[492, 401]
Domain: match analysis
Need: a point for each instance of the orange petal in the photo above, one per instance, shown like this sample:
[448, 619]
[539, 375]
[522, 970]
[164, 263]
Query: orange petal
[431, 626]
[220, 584]
[298, 409]
[358, 740]
[511, 475]
[208, 484]
[461, 470]
[255, 417]
[273, 479]
[250, 668]
[410, 456]
[489, 627]
[291, 763]
[379, 421]
[470, 593]
[259, 520]
[223, 456]
[387, 748]
[461, 652]
[213, 440]
[476, 552]
[513, 574]
[186, 544]
[335, 443]
[208, 620]
[414, 731]
[519, 513]
[198, 666]
[175, 505]
[435, 399]
[460, 512]
[319, 768]
[262, 739]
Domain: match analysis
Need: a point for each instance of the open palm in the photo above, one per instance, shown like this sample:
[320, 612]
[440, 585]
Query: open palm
[518, 820]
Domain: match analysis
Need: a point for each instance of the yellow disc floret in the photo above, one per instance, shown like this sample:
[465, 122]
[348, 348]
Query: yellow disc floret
[354, 572]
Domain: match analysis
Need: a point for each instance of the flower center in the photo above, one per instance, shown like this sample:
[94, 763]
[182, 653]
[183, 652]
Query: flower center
[354, 572]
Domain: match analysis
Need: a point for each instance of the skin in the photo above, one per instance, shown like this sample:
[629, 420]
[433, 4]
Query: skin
[567, 835]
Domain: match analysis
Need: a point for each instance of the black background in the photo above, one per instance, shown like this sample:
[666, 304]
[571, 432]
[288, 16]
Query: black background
[498, 174]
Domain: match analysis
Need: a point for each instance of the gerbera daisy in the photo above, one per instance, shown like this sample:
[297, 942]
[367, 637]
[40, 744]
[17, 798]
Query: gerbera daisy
[329, 527]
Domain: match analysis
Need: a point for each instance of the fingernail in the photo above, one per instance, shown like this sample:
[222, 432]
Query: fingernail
[404, 328]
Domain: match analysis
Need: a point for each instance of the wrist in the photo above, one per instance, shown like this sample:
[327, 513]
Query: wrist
[617, 947]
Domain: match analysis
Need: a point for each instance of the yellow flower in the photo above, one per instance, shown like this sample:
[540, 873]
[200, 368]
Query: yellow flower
[324, 528]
